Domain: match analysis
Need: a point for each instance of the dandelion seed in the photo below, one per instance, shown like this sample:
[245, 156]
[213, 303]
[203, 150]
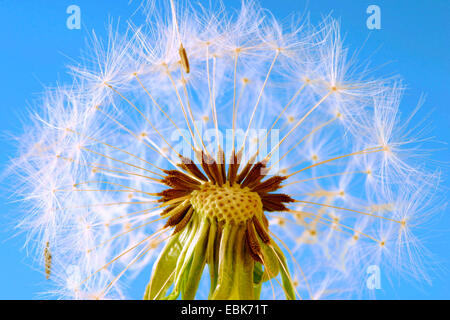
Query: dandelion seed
[184, 59]
[48, 260]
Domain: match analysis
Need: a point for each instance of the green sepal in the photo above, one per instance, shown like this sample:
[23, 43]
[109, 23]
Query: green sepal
[184, 278]
[163, 269]
[244, 280]
[257, 273]
[212, 257]
[184, 258]
[271, 262]
[196, 265]
[288, 289]
[257, 279]
[257, 290]
[226, 264]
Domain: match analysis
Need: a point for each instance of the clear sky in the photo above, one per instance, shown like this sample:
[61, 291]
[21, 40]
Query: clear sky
[36, 46]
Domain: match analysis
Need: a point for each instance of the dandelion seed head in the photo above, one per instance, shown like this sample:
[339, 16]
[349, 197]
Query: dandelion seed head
[161, 131]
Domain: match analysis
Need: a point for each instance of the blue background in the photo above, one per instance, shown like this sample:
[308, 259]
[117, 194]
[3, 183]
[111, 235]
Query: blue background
[36, 46]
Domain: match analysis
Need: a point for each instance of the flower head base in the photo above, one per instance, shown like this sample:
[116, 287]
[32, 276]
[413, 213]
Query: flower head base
[219, 221]
[227, 204]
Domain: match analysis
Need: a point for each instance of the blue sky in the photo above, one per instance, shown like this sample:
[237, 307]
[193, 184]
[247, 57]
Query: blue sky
[36, 46]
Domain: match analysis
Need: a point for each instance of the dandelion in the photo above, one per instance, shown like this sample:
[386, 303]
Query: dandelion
[239, 157]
